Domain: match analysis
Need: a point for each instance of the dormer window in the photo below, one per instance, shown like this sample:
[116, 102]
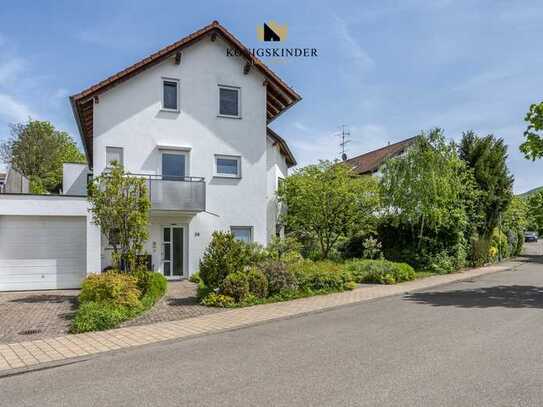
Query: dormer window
[229, 101]
[170, 95]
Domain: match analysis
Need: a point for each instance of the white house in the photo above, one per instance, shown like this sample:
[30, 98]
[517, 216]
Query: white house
[193, 120]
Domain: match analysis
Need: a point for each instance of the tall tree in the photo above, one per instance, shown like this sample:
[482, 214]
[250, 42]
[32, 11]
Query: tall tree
[533, 146]
[37, 150]
[487, 156]
[328, 202]
[426, 188]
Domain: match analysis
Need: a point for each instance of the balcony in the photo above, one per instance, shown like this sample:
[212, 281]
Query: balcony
[169, 193]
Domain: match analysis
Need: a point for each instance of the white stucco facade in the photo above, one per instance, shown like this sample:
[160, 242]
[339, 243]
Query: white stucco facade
[130, 116]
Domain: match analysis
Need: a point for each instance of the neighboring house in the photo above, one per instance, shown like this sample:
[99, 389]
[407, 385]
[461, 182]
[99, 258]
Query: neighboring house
[14, 182]
[193, 121]
[371, 162]
[2, 181]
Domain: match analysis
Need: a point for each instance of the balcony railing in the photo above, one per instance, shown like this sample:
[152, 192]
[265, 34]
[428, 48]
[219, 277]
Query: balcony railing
[176, 193]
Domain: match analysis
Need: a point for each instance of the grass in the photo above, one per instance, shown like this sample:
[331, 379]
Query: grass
[424, 274]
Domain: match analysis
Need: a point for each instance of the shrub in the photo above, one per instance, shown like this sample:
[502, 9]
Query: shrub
[97, 316]
[479, 251]
[320, 275]
[114, 287]
[217, 300]
[379, 271]
[152, 285]
[195, 278]
[372, 248]
[235, 285]
[258, 283]
[279, 277]
[284, 249]
[350, 285]
[223, 256]
[442, 263]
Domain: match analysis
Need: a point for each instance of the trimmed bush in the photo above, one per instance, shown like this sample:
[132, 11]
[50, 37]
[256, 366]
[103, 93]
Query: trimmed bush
[97, 316]
[153, 286]
[195, 278]
[279, 277]
[235, 285]
[223, 256]
[379, 271]
[258, 283]
[321, 275]
[113, 286]
[218, 300]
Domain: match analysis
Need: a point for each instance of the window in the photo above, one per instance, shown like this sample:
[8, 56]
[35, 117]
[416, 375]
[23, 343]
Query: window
[114, 154]
[242, 233]
[229, 101]
[173, 166]
[170, 94]
[227, 166]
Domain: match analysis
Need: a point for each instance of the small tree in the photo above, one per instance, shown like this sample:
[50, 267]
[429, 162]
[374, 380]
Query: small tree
[37, 150]
[328, 201]
[533, 146]
[120, 205]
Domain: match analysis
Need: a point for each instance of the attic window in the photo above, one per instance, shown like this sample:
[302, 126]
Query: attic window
[229, 104]
[170, 95]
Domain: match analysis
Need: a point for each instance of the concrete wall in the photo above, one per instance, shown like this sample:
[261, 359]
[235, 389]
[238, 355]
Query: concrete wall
[130, 116]
[74, 178]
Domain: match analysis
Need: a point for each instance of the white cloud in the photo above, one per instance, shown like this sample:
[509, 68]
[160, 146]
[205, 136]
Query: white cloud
[12, 110]
[10, 69]
[351, 48]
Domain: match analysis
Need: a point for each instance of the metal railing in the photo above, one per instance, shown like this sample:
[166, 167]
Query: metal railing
[172, 193]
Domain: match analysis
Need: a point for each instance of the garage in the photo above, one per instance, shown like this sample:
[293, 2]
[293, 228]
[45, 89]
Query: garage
[42, 252]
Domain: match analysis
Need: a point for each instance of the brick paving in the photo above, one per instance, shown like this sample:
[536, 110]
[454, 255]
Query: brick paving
[180, 302]
[32, 353]
[29, 315]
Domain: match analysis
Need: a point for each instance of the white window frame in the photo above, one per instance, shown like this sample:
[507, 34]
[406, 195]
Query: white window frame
[236, 88]
[218, 174]
[108, 166]
[177, 82]
[251, 231]
[173, 152]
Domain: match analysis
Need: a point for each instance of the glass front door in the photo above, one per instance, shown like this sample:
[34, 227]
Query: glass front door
[172, 252]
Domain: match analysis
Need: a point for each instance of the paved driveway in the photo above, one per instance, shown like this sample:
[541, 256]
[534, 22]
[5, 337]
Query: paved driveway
[32, 315]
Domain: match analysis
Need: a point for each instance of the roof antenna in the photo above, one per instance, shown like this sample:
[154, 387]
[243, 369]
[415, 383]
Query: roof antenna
[344, 140]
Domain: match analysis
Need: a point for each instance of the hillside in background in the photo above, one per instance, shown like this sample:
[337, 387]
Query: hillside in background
[530, 192]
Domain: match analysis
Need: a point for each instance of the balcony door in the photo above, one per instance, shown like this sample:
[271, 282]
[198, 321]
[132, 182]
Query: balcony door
[173, 252]
[174, 166]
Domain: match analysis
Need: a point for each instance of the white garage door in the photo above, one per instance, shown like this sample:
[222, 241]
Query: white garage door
[42, 252]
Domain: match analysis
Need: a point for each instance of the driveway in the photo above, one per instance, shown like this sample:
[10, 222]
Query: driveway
[30, 315]
[472, 343]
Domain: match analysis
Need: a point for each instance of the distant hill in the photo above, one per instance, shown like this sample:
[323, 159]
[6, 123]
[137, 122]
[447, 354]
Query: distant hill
[530, 192]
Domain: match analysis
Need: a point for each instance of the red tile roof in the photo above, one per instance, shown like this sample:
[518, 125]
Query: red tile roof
[370, 162]
[280, 96]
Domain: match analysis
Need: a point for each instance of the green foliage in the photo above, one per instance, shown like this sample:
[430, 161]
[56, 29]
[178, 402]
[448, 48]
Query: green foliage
[379, 271]
[320, 275]
[326, 202]
[258, 283]
[486, 157]
[37, 150]
[217, 300]
[284, 249]
[535, 212]
[533, 146]
[223, 256]
[120, 205]
[152, 285]
[235, 285]
[372, 248]
[279, 277]
[195, 278]
[114, 287]
[98, 316]
[480, 247]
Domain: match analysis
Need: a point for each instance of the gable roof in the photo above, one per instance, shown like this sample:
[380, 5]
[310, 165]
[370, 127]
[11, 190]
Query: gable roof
[370, 162]
[279, 96]
[283, 147]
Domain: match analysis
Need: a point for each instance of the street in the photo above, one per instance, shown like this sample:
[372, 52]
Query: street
[473, 343]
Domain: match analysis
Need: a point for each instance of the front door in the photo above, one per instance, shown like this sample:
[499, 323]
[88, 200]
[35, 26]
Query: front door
[173, 252]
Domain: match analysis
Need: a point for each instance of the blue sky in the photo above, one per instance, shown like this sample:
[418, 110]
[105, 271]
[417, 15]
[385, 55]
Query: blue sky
[385, 69]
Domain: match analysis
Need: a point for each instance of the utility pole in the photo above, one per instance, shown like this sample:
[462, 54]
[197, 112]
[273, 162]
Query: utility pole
[344, 140]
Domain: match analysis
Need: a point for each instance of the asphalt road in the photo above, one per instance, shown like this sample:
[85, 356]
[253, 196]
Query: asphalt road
[474, 343]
